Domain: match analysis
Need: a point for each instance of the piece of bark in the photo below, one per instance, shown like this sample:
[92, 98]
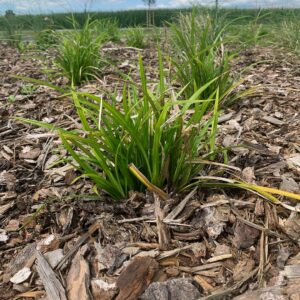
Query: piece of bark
[180, 207]
[244, 235]
[53, 287]
[77, 245]
[162, 229]
[78, 279]
[103, 290]
[207, 287]
[242, 269]
[134, 280]
[174, 289]
[273, 120]
[22, 260]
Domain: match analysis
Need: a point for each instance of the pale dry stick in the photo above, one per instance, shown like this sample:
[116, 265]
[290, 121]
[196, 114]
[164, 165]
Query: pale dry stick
[133, 220]
[121, 48]
[194, 270]
[164, 236]
[173, 252]
[179, 208]
[256, 226]
[219, 258]
[221, 202]
[53, 287]
[152, 220]
[80, 241]
[261, 259]
[47, 149]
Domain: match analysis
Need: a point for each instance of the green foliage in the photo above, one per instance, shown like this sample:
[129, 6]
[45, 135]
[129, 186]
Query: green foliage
[198, 55]
[155, 34]
[253, 33]
[9, 13]
[290, 37]
[13, 33]
[78, 52]
[11, 99]
[28, 89]
[154, 131]
[137, 17]
[46, 38]
[135, 37]
[110, 30]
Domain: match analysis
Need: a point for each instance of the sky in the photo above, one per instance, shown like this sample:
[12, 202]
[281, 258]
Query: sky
[48, 6]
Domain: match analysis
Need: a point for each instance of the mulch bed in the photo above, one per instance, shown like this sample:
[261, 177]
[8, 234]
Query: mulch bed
[60, 241]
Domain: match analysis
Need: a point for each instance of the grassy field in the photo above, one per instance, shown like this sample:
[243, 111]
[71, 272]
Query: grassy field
[137, 17]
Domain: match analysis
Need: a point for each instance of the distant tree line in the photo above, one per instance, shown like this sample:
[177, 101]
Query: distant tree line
[137, 17]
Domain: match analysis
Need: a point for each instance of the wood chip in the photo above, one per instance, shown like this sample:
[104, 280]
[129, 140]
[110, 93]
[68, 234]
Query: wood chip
[219, 258]
[273, 120]
[137, 276]
[207, 288]
[164, 238]
[78, 279]
[53, 287]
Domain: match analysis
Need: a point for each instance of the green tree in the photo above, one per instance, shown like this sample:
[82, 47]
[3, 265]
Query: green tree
[9, 13]
[150, 12]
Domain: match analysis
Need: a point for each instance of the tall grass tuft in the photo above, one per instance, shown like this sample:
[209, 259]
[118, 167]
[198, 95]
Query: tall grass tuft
[290, 39]
[109, 28]
[78, 52]
[13, 33]
[135, 37]
[155, 132]
[198, 55]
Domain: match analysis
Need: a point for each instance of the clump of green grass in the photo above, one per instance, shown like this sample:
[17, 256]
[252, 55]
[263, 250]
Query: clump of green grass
[199, 55]
[78, 52]
[13, 33]
[135, 37]
[46, 38]
[290, 37]
[155, 132]
[110, 30]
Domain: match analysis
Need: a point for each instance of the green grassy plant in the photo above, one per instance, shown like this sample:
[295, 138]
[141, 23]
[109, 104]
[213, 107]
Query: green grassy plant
[255, 32]
[109, 28]
[153, 131]
[199, 55]
[78, 52]
[13, 33]
[290, 37]
[135, 37]
[46, 38]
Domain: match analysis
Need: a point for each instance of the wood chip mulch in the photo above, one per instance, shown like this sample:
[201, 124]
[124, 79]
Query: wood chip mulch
[58, 241]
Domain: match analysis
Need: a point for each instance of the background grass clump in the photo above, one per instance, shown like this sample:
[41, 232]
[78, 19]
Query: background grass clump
[78, 54]
[135, 37]
[199, 55]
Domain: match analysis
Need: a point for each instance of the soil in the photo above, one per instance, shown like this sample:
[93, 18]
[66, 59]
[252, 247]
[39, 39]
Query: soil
[60, 241]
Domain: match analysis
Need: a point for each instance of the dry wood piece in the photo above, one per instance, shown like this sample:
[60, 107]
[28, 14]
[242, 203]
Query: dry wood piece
[134, 280]
[53, 287]
[163, 232]
[78, 279]
[103, 290]
[219, 257]
[273, 120]
[174, 289]
[179, 208]
[25, 256]
[207, 287]
[82, 239]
